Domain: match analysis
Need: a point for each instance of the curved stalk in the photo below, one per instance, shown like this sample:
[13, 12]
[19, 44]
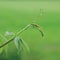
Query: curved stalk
[21, 31]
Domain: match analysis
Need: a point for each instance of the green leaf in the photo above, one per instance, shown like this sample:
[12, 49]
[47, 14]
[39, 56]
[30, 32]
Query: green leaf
[25, 45]
[18, 43]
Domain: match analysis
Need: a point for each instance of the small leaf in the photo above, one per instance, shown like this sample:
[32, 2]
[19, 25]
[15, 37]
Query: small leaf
[9, 33]
[25, 45]
[18, 43]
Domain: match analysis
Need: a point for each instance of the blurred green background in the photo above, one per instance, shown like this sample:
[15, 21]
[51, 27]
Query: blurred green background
[15, 15]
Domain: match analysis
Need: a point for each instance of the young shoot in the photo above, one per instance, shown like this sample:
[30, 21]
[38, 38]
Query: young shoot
[17, 40]
[18, 33]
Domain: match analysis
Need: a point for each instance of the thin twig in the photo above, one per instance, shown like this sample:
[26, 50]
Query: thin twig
[15, 36]
[7, 42]
[21, 31]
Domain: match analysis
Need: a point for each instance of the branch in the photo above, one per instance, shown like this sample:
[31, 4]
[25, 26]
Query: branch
[15, 36]
[21, 31]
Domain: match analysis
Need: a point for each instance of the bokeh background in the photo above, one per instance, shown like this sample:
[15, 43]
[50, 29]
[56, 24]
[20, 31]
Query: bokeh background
[15, 15]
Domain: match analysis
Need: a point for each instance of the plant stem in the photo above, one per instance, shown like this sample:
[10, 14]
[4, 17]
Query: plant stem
[7, 42]
[15, 36]
[21, 31]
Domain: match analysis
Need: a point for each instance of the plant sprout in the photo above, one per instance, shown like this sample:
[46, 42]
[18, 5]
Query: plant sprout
[17, 40]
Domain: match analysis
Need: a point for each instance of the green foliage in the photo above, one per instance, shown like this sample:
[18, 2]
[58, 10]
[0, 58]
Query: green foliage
[18, 43]
[14, 15]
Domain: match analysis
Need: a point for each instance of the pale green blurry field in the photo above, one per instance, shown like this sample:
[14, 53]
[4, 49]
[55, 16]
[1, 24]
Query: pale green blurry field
[16, 15]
